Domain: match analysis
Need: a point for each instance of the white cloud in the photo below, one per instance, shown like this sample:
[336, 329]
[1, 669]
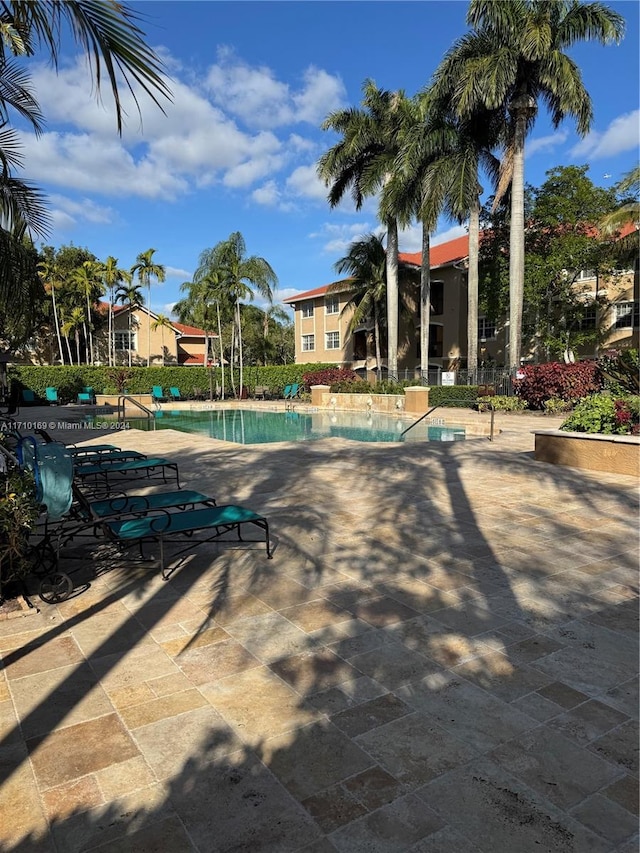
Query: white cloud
[546, 143]
[254, 95]
[86, 209]
[268, 194]
[450, 234]
[623, 134]
[176, 272]
[304, 181]
[339, 237]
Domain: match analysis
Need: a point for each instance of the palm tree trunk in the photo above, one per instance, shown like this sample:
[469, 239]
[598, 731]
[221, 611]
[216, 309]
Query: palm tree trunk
[516, 242]
[220, 345]
[69, 349]
[392, 298]
[425, 302]
[57, 322]
[78, 346]
[376, 332]
[472, 283]
[86, 342]
[111, 354]
[90, 338]
[149, 323]
[129, 341]
[240, 345]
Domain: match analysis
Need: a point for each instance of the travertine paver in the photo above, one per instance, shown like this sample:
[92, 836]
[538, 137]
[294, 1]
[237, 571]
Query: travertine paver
[441, 657]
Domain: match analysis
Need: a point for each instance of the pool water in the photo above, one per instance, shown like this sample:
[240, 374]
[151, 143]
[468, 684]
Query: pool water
[249, 426]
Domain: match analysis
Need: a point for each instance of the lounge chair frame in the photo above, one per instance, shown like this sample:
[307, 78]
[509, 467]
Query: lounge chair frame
[105, 472]
[165, 526]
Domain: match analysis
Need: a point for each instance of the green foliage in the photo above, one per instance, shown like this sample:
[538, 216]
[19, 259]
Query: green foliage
[621, 371]
[501, 403]
[18, 513]
[330, 376]
[557, 406]
[453, 396]
[603, 413]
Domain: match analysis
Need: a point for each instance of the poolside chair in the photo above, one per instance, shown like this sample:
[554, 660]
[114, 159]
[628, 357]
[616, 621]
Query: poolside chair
[287, 391]
[261, 392]
[105, 472]
[51, 395]
[87, 395]
[106, 457]
[292, 391]
[157, 394]
[28, 397]
[174, 394]
[163, 526]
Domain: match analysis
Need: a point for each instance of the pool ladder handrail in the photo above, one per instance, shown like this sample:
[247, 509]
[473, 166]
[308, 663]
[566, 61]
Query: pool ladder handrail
[121, 408]
[437, 406]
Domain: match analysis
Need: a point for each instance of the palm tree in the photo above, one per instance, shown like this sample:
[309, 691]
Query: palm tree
[239, 275]
[162, 322]
[270, 315]
[363, 161]
[73, 325]
[50, 275]
[108, 32]
[146, 270]
[513, 58]
[112, 277]
[131, 295]
[87, 279]
[366, 265]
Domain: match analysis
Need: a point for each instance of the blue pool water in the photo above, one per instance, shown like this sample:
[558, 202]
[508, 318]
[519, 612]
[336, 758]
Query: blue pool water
[250, 426]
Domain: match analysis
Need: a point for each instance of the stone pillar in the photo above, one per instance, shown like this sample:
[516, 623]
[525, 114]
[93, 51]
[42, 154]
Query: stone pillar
[317, 394]
[416, 399]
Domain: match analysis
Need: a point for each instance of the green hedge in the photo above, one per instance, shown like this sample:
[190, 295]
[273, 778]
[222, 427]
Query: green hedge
[70, 380]
[453, 396]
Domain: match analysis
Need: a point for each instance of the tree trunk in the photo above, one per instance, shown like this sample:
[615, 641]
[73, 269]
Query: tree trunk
[240, 344]
[129, 341]
[57, 322]
[425, 302]
[392, 298]
[376, 332]
[77, 334]
[472, 296]
[516, 241]
[220, 347]
[90, 354]
[66, 337]
[149, 323]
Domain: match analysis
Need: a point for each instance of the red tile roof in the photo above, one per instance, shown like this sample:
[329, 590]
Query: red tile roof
[191, 331]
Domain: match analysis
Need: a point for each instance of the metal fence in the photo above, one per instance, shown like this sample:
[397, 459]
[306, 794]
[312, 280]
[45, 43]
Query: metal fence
[493, 380]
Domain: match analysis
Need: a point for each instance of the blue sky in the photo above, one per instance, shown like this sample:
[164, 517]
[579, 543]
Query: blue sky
[236, 151]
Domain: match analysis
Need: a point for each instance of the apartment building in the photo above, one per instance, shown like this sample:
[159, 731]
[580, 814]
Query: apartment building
[322, 321]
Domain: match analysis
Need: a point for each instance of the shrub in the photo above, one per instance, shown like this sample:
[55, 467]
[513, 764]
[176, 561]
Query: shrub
[563, 381]
[330, 376]
[19, 511]
[603, 413]
[453, 396]
[556, 406]
[621, 371]
[357, 386]
[501, 403]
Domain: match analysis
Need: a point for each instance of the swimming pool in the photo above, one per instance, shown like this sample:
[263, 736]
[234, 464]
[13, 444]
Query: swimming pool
[250, 426]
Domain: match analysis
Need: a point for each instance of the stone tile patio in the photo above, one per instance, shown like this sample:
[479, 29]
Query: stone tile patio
[441, 657]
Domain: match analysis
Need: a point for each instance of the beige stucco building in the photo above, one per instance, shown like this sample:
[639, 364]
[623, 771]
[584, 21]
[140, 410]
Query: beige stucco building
[321, 320]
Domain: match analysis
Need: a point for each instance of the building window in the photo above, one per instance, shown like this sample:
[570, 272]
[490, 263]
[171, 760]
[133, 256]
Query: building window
[435, 341]
[308, 343]
[627, 315]
[585, 274]
[124, 341]
[486, 329]
[307, 309]
[437, 297]
[589, 318]
[333, 340]
[331, 305]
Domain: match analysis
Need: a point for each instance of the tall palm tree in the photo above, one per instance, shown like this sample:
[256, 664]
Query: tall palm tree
[363, 161]
[112, 277]
[50, 275]
[162, 322]
[271, 315]
[513, 58]
[72, 325]
[146, 270]
[130, 295]
[366, 265]
[88, 280]
[240, 275]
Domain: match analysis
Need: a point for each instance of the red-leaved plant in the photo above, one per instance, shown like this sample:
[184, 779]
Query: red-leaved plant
[329, 375]
[567, 382]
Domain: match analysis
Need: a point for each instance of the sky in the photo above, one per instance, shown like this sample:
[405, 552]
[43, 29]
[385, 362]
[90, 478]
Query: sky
[237, 148]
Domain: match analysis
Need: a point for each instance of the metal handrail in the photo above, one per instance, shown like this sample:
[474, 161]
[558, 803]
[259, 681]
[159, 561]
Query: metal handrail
[121, 409]
[437, 406]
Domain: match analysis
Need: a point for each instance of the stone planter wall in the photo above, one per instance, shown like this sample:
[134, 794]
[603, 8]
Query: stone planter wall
[414, 401]
[615, 454]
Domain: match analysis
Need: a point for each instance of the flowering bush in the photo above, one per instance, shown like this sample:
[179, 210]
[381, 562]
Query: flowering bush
[567, 382]
[329, 376]
[602, 413]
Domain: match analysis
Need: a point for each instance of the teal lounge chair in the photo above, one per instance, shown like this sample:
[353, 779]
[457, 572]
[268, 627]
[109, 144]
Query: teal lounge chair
[162, 527]
[157, 395]
[51, 395]
[104, 472]
[87, 395]
[28, 397]
[106, 457]
[287, 391]
[292, 391]
[175, 395]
